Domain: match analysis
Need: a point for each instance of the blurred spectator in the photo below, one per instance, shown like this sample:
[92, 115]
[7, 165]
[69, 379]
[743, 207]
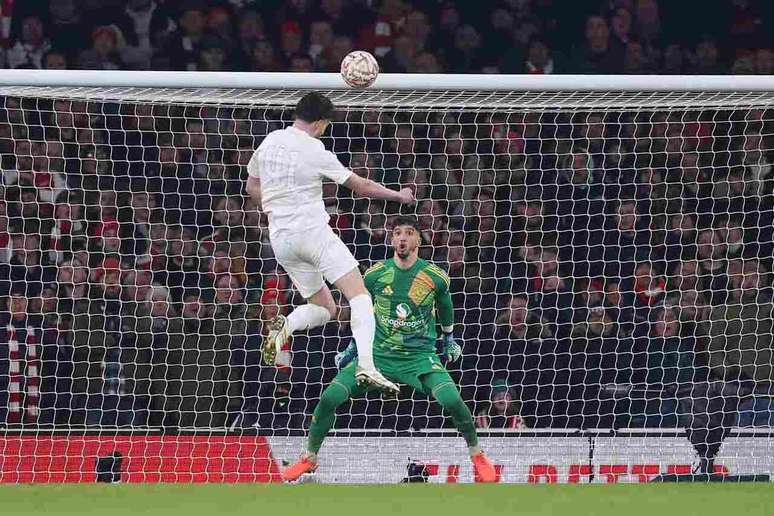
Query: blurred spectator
[540, 59]
[291, 41]
[53, 60]
[621, 26]
[674, 60]
[213, 54]
[264, 57]
[104, 54]
[598, 54]
[503, 411]
[764, 61]
[379, 35]
[466, 53]
[320, 40]
[30, 48]
[182, 47]
[69, 34]
[647, 20]
[740, 331]
[448, 23]
[635, 59]
[143, 25]
[706, 58]
[550, 296]
[20, 360]
[626, 242]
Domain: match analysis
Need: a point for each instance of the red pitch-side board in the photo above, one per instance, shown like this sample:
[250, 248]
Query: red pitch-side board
[169, 459]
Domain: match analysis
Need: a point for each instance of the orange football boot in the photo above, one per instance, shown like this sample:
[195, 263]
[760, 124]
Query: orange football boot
[485, 470]
[303, 466]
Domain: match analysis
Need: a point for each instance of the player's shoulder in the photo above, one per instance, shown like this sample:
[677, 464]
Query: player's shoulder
[376, 269]
[268, 140]
[436, 272]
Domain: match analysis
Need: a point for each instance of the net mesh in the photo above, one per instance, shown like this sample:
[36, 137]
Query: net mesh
[609, 255]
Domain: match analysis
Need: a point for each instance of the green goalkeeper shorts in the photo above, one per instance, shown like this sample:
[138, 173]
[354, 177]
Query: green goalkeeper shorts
[410, 370]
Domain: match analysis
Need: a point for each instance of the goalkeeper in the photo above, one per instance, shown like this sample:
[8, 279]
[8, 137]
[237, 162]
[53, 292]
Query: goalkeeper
[407, 293]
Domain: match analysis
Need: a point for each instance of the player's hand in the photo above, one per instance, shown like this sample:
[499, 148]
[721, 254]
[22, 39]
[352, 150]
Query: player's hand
[406, 196]
[343, 358]
[451, 349]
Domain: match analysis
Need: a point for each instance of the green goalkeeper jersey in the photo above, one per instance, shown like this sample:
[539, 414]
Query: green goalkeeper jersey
[408, 304]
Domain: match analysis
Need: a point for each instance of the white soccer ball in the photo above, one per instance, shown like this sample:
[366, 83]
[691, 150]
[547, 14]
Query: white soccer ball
[359, 69]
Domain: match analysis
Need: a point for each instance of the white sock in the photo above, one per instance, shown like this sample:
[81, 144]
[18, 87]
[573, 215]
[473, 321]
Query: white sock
[307, 316]
[363, 328]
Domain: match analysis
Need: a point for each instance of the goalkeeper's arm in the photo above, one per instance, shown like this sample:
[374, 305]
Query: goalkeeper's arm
[449, 348]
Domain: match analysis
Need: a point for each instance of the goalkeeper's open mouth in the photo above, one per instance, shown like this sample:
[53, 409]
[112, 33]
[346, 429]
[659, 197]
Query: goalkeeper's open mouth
[402, 248]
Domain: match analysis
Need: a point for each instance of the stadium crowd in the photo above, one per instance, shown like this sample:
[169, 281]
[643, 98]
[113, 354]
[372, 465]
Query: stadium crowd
[495, 36]
[608, 268]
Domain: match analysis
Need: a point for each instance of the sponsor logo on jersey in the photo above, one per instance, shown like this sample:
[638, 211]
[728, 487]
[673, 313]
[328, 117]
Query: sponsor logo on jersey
[402, 318]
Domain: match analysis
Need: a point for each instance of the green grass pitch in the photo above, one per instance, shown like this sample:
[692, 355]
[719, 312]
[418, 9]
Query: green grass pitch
[401, 500]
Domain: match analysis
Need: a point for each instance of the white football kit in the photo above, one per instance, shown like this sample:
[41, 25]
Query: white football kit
[291, 166]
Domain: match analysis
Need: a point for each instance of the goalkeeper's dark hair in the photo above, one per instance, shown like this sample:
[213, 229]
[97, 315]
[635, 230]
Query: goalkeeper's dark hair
[406, 220]
[314, 107]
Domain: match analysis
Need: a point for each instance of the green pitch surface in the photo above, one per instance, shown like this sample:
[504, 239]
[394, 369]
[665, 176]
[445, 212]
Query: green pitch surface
[401, 500]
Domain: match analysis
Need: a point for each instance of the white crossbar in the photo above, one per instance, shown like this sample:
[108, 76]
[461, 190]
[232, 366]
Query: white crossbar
[332, 81]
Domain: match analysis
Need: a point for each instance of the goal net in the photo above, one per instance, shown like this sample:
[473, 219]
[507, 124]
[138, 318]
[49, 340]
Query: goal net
[610, 256]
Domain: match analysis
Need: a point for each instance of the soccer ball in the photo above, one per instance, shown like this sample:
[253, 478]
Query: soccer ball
[359, 69]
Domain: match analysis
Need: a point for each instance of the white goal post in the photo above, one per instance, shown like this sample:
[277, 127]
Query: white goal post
[609, 241]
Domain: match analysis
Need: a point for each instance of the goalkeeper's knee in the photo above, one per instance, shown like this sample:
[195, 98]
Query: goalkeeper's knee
[448, 396]
[333, 396]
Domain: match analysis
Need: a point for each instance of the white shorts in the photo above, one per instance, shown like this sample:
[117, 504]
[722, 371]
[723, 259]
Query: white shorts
[312, 256]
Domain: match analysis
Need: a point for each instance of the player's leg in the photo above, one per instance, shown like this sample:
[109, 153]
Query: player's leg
[363, 326]
[361, 315]
[343, 387]
[340, 268]
[296, 255]
[440, 385]
[318, 310]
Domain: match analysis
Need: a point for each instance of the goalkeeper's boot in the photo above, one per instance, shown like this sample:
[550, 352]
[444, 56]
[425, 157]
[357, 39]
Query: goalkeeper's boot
[306, 464]
[485, 470]
[376, 379]
[273, 342]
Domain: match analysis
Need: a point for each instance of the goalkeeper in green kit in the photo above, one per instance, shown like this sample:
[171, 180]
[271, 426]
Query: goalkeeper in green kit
[408, 294]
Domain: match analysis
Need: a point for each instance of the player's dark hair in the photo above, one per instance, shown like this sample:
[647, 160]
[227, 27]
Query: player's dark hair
[313, 107]
[406, 220]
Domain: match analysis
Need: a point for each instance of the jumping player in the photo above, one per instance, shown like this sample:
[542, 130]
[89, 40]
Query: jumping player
[286, 173]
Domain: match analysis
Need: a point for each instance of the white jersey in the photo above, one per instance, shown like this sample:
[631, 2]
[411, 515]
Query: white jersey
[291, 166]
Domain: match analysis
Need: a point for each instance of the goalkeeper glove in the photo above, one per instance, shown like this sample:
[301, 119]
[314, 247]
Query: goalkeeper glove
[451, 350]
[345, 357]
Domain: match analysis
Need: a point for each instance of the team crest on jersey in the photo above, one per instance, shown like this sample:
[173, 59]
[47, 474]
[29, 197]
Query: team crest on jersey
[421, 287]
[387, 290]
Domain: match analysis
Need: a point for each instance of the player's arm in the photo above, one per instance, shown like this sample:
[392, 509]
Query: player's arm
[331, 167]
[445, 311]
[253, 187]
[363, 187]
[443, 300]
